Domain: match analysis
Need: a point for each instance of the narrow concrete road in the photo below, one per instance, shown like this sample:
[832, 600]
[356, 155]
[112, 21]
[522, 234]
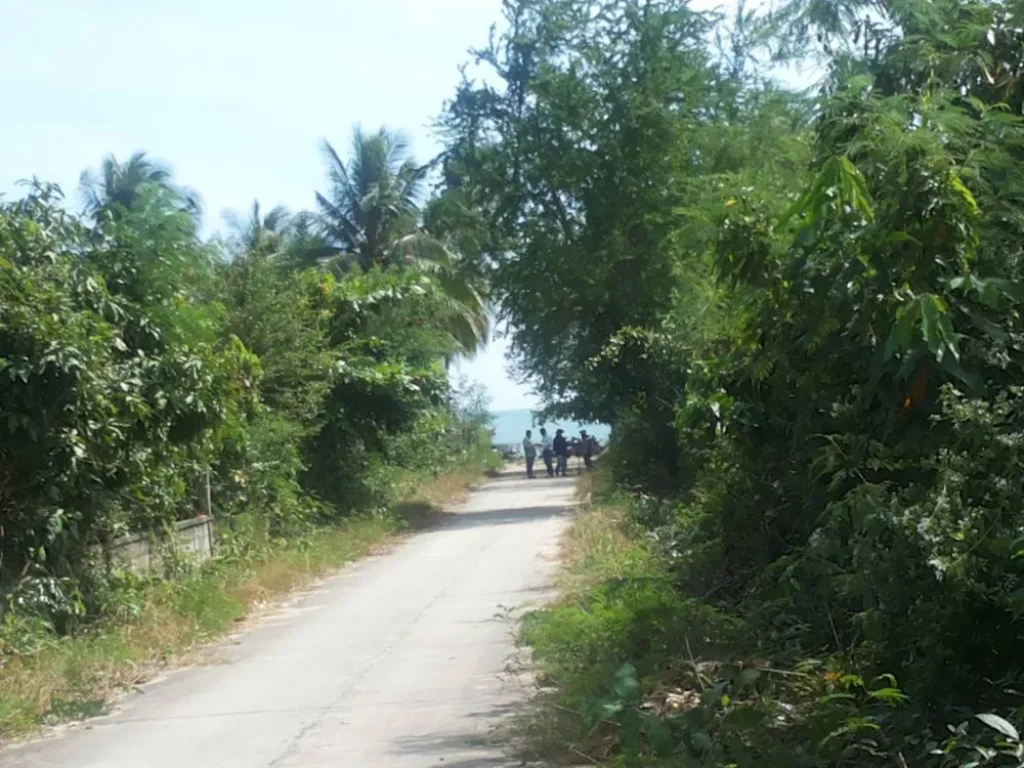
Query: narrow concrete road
[396, 662]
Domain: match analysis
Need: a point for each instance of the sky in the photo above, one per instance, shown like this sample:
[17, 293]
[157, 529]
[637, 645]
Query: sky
[234, 97]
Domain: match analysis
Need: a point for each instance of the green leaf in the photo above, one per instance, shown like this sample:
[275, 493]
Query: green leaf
[630, 732]
[851, 725]
[986, 326]
[625, 685]
[701, 741]
[901, 237]
[747, 677]
[929, 324]
[1016, 598]
[948, 336]
[861, 197]
[891, 696]
[952, 366]
[1003, 726]
[965, 193]
[660, 735]
[1009, 288]
[902, 330]
[830, 697]
[743, 718]
[610, 709]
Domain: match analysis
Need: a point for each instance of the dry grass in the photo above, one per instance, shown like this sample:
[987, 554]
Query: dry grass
[596, 550]
[443, 489]
[597, 546]
[165, 624]
[168, 624]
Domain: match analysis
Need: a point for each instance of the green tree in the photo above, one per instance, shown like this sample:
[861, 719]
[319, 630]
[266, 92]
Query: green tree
[129, 186]
[372, 218]
[259, 234]
[387, 335]
[803, 320]
[272, 310]
[371, 210]
[595, 158]
[109, 406]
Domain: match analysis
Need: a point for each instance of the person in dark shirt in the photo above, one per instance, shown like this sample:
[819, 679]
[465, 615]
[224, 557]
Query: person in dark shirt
[561, 453]
[587, 444]
[547, 451]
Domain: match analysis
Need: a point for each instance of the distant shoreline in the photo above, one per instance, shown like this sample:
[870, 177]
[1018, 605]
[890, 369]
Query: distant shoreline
[510, 426]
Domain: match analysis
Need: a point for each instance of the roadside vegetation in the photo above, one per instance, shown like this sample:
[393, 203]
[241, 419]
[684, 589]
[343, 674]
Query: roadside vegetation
[800, 311]
[154, 623]
[293, 371]
[801, 314]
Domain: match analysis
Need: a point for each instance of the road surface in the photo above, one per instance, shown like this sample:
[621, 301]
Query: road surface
[398, 661]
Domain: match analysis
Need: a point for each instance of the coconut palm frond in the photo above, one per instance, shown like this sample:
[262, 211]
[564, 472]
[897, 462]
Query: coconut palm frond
[339, 224]
[138, 182]
[421, 249]
[277, 220]
[373, 197]
[259, 234]
[371, 216]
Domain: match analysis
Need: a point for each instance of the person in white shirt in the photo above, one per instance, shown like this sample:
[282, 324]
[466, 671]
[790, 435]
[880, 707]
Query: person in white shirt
[547, 448]
[529, 453]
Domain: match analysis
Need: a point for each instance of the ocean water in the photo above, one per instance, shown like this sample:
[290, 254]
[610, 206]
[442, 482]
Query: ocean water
[511, 426]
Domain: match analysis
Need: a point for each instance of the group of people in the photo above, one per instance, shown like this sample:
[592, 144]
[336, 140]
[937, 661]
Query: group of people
[556, 451]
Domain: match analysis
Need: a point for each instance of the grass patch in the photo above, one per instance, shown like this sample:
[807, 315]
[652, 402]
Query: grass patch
[619, 634]
[596, 550]
[159, 624]
[635, 668]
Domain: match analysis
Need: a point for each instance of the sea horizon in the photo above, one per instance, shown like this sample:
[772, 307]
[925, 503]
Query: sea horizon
[510, 426]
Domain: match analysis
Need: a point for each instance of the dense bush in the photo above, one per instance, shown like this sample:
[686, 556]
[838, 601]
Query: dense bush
[802, 318]
[140, 364]
[108, 411]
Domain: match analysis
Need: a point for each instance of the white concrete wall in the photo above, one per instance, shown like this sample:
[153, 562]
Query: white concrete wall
[141, 552]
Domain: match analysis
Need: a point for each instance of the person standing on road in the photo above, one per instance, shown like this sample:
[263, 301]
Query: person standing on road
[587, 445]
[561, 446]
[547, 451]
[529, 453]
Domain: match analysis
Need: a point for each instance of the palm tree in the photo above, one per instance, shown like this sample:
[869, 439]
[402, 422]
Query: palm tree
[373, 200]
[134, 184]
[259, 234]
[371, 217]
